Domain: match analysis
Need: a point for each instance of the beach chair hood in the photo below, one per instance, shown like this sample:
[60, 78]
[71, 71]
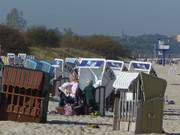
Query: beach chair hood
[116, 66]
[153, 86]
[124, 80]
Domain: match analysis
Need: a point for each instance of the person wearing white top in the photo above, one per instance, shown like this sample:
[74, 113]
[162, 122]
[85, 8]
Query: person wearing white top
[68, 91]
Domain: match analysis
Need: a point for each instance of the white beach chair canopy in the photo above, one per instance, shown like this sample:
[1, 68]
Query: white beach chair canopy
[115, 64]
[11, 55]
[11, 58]
[71, 60]
[58, 67]
[91, 69]
[57, 62]
[92, 63]
[124, 80]
[71, 63]
[140, 66]
[22, 55]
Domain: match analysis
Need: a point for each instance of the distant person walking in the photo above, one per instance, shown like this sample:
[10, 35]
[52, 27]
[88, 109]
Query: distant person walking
[173, 69]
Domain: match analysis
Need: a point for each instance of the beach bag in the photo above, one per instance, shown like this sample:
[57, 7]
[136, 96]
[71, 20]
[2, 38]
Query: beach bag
[68, 111]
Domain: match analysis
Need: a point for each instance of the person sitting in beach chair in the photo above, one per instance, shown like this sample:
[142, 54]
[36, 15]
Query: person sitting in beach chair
[80, 103]
[89, 92]
[71, 96]
[68, 91]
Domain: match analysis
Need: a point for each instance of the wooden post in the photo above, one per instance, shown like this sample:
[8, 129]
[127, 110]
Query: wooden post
[116, 104]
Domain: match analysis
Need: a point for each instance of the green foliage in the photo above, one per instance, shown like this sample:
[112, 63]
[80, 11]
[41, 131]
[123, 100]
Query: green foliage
[12, 40]
[48, 43]
[15, 19]
[72, 45]
[68, 32]
[106, 46]
[41, 36]
[50, 53]
[99, 44]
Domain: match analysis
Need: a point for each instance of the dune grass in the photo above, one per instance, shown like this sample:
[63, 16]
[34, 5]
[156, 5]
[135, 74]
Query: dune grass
[51, 53]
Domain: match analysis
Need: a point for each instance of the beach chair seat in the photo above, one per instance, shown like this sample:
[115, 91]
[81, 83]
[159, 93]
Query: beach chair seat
[80, 103]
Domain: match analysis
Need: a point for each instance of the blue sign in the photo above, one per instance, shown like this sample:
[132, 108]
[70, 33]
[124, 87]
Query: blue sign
[141, 66]
[56, 62]
[91, 63]
[114, 64]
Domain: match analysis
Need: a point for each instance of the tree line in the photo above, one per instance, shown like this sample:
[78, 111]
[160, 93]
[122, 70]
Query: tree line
[144, 45]
[16, 37]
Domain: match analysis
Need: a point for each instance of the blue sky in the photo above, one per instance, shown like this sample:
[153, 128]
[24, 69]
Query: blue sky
[107, 17]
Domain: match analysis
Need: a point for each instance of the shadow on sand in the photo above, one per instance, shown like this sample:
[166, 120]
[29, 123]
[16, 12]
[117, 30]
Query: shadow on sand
[172, 133]
[175, 84]
[172, 112]
[75, 123]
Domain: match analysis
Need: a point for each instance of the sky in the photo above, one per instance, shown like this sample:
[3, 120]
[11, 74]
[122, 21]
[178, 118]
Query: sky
[108, 17]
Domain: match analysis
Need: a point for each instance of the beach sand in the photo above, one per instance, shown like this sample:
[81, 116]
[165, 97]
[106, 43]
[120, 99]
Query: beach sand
[78, 125]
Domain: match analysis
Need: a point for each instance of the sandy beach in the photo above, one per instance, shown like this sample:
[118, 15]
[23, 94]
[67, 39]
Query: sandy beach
[78, 125]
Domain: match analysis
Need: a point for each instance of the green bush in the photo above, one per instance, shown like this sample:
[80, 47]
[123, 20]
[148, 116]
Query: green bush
[12, 40]
[41, 36]
[99, 44]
